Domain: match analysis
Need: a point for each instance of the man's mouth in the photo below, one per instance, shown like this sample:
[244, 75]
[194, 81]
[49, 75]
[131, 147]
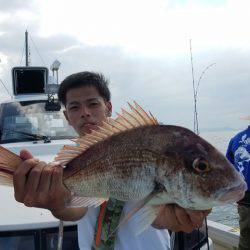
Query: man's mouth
[87, 127]
[87, 124]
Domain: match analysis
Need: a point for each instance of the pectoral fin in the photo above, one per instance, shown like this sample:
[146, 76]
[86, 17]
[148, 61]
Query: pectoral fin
[141, 205]
[146, 216]
[135, 209]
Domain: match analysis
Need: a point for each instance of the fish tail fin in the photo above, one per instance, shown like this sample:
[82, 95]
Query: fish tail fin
[8, 163]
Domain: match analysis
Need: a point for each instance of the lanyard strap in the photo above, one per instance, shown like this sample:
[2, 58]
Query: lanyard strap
[107, 221]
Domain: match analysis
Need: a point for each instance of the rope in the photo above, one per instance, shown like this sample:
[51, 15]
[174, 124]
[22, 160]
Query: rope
[22, 55]
[207, 234]
[37, 51]
[60, 236]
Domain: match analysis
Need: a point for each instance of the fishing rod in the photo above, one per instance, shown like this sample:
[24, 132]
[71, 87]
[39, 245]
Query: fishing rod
[195, 88]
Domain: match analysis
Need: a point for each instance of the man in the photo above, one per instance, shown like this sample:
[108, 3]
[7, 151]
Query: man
[238, 153]
[86, 98]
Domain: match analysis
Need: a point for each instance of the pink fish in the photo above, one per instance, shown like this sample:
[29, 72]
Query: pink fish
[133, 158]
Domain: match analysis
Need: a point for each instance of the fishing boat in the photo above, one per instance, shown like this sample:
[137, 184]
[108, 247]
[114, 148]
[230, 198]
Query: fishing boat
[32, 119]
[224, 237]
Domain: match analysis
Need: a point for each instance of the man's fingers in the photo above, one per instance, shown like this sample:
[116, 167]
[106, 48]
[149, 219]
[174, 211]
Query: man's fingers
[34, 178]
[57, 185]
[56, 177]
[20, 176]
[25, 154]
[45, 180]
[40, 185]
[197, 217]
[207, 212]
[177, 219]
[184, 220]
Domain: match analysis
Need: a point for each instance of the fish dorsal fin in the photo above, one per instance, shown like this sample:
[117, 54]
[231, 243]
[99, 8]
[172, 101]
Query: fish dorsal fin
[8, 164]
[126, 120]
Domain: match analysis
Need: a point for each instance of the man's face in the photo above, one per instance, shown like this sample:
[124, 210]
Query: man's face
[85, 109]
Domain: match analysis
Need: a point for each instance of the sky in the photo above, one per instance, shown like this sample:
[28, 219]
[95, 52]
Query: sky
[143, 48]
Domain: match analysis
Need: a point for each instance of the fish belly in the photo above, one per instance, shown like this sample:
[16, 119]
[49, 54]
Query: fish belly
[127, 183]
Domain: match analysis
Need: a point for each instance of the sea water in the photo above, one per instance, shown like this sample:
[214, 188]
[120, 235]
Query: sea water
[228, 214]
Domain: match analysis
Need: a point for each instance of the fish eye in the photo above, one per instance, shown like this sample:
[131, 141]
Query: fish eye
[201, 165]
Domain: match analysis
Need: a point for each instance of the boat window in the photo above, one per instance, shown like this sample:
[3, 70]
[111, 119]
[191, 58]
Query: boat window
[19, 240]
[21, 121]
[39, 239]
[49, 238]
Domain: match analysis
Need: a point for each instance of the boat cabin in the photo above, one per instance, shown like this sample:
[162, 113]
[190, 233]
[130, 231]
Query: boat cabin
[32, 119]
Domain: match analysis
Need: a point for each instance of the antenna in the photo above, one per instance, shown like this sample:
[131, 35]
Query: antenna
[195, 88]
[27, 53]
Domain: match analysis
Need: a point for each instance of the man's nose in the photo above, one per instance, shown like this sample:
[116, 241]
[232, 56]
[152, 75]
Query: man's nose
[85, 111]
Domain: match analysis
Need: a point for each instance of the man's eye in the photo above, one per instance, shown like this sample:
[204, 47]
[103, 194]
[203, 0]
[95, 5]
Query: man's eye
[72, 108]
[93, 104]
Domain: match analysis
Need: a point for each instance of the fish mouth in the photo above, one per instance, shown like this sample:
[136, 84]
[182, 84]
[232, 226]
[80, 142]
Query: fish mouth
[232, 194]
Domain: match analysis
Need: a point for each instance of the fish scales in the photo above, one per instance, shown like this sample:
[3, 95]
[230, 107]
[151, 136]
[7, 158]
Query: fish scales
[117, 167]
[144, 139]
[123, 171]
[128, 165]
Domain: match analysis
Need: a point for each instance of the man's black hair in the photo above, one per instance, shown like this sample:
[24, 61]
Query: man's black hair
[85, 78]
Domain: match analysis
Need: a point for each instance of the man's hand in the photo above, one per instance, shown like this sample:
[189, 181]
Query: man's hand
[38, 184]
[176, 218]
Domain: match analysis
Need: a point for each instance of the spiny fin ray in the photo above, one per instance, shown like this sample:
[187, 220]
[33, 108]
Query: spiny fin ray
[8, 163]
[136, 117]
[78, 201]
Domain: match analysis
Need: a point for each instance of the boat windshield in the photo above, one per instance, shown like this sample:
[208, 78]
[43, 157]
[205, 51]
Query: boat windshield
[29, 121]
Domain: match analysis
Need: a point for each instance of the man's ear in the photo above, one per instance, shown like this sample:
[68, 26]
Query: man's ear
[109, 108]
[66, 116]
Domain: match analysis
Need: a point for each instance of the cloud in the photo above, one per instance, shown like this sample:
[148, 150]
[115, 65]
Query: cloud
[161, 82]
[162, 85]
[15, 5]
